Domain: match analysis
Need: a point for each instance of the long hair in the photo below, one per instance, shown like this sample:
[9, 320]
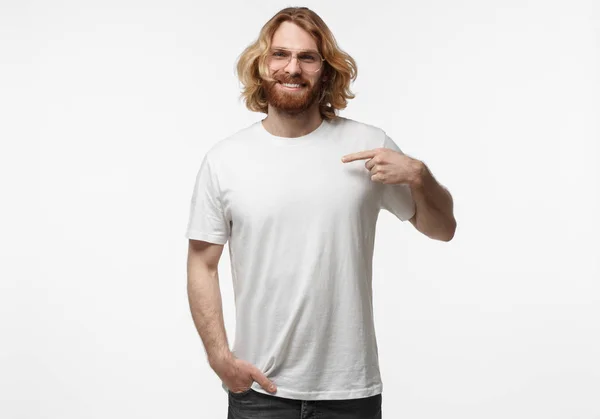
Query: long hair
[339, 67]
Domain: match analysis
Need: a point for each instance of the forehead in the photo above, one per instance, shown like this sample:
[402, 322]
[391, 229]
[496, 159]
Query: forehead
[289, 35]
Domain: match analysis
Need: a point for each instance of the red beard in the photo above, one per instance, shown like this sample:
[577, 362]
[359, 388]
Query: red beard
[290, 101]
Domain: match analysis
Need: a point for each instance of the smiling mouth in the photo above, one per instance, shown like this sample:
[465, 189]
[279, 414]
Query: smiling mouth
[292, 86]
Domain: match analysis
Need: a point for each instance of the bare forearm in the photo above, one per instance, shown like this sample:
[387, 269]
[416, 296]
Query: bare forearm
[435, 207]
[204, 296]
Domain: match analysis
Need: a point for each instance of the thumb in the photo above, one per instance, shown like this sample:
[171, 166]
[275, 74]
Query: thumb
[264, 382]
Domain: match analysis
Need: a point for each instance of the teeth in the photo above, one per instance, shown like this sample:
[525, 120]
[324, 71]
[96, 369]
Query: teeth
[290, 85]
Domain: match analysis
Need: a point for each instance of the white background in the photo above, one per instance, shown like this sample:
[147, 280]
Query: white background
[108, 107]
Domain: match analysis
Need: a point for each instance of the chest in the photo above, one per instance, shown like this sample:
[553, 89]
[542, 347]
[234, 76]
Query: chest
[301, 190]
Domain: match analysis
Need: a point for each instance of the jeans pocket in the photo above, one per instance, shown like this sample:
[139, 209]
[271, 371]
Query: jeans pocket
[241, 393]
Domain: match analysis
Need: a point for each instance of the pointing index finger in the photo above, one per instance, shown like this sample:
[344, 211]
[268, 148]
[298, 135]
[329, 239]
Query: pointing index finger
[366, 154]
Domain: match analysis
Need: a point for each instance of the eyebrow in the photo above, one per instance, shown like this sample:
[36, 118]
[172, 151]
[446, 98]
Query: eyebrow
[302, 50]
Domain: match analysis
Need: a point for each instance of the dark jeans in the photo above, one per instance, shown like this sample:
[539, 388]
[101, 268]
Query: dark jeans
[251, 404]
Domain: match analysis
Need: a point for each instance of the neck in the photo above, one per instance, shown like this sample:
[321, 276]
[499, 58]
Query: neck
[283, 124]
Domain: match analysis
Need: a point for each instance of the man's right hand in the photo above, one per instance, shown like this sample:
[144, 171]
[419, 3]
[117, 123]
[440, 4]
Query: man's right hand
[238, 375]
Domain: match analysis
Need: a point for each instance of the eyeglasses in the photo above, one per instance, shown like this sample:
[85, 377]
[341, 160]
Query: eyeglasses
[310, 61]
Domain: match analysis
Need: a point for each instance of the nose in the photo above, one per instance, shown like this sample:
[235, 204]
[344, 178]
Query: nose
[293, 67]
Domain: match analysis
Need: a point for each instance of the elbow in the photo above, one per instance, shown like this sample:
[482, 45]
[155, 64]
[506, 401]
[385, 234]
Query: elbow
[450, 231]
[447, 233]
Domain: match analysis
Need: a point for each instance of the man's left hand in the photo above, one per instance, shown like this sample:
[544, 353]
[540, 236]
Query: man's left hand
[389, 166]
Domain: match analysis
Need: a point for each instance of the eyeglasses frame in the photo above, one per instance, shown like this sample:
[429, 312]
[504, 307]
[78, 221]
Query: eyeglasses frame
[272, 49]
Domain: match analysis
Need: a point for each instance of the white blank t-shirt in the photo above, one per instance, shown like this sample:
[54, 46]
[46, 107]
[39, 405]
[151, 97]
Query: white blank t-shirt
[301, 228]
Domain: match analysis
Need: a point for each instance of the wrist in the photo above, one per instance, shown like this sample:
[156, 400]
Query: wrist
[419, 174]
[219, 359]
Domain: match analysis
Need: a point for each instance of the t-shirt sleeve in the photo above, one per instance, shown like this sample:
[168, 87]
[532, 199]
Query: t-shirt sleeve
[207, 220]
[397, 199]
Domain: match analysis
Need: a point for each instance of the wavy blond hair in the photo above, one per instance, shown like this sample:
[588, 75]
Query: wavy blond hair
[339, 67]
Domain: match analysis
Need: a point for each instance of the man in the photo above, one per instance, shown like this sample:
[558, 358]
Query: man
[297, 196]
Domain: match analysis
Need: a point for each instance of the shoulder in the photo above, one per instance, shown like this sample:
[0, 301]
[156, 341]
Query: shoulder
[231, 145]
[369, 131]
[355, 125]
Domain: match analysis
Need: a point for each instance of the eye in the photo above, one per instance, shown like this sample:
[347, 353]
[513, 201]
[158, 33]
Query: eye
[280, 54]
[309, 58]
